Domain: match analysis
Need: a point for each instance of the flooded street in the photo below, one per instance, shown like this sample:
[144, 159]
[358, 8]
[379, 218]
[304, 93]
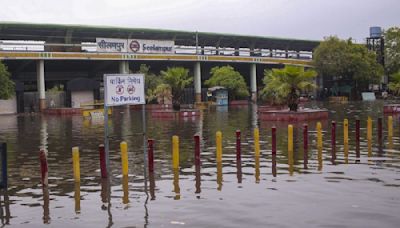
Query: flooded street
[351, 192]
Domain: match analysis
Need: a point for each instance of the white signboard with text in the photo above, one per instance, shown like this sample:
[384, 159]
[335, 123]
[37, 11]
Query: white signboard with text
[151, 46]
[122, 89]
[111, 45]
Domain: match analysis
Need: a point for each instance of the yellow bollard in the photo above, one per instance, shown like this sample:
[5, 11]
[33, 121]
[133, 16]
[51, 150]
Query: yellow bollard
[218, 138]
[319, 135]
[290, 144]
[124, 158]
[76, 165]
[369, 129]
[346, 137]
[175, 152]
[390, 127]
[257, 142]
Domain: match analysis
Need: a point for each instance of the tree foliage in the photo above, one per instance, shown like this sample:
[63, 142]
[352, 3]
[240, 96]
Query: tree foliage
[394, 84]
[232, 80]
[283, 86]
[392, 49]
[177, 78]
[7, 87]
[151, 81]
[335, 58]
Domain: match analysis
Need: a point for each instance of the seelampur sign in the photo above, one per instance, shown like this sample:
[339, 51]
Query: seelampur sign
[121, 89]
[135, 46]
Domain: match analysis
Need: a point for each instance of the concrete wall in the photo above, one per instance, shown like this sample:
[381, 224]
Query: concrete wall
[81, 97]
[8, 106]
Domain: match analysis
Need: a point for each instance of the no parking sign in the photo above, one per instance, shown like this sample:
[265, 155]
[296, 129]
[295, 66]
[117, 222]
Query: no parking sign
[122, 89]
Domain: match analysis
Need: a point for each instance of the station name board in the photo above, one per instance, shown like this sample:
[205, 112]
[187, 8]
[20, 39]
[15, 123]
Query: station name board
[135, 45]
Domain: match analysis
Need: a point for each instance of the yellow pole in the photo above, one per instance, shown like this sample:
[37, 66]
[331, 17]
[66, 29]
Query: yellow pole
[76, 165]
[346, 137]
[319, 135]
[369, 129]
[290, 144]
[175, 152]
[124, 157]
[218, 138]
[257, 142]
[390, 127]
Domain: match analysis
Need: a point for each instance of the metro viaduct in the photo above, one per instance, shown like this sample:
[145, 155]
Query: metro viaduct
[42, 54]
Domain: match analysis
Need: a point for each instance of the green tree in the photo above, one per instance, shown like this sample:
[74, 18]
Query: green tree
[178, 79]
[340, 59]
[394, 85]
[7, 87]
[163, 92]
[284, 85]
[392, 49]
[151, 81]
[232, 80]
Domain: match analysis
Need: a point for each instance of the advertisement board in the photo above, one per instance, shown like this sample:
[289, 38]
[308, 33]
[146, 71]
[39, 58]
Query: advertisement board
[122, 89]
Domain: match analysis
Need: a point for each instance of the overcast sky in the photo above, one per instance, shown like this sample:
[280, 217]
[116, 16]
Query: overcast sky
[301, 19]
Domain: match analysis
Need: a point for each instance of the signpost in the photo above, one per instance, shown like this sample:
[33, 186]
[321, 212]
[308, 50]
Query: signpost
[123, 89]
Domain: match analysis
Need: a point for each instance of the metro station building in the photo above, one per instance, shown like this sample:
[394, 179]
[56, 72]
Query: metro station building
[41, 56]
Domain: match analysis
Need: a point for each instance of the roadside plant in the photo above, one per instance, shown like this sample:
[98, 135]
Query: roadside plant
[283, 86]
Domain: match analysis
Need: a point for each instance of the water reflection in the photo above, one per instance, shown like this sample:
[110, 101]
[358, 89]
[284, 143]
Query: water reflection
[152, 186]
[219, 176]
[4, 207]
[46, 210]
[104, 194]
[239, 171]
[77, 197]
[198, 180]
[177, 189]
[125, 188]
[257, 169]
[274, 165]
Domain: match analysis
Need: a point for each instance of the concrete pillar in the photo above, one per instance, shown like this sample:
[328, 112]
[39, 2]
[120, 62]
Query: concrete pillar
[40, 84]
[124, 67]
[197, 81]
[253, 81]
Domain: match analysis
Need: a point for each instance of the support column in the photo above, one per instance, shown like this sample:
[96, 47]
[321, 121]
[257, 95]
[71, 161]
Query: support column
[40, 84]
[197, 81]
[253, 81]
[124, 67]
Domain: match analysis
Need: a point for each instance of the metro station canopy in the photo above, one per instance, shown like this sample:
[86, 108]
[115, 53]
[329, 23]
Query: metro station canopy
[75, 34]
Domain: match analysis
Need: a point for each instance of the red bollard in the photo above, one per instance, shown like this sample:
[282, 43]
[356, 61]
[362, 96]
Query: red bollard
[150, 153]
[305, 145]
[273, 141]
[44, 167]
[103, 167]
[238, 148]
[197, 150]
[357, 138]
[333, 140]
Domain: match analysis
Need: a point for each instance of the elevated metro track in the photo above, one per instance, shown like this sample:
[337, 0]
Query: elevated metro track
[7, 55]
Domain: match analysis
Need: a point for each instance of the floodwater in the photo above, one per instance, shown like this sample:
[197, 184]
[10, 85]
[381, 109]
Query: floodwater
[353, 192]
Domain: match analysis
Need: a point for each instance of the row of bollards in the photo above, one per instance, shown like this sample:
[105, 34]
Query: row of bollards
[218, 138]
